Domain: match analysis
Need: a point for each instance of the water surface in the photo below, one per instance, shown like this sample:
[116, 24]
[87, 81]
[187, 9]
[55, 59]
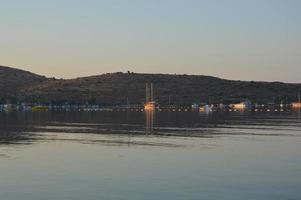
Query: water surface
[162, 155]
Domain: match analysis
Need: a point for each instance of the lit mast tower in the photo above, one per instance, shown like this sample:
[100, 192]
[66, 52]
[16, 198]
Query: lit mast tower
[149, 97]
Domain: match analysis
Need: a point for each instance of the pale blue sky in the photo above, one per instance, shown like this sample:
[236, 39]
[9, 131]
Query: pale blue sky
[234, 39]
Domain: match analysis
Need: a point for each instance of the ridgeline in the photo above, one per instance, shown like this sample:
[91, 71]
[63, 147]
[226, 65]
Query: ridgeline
[119, 88]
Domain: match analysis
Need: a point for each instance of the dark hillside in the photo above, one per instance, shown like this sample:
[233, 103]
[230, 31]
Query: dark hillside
[116, 88]
[12, 80]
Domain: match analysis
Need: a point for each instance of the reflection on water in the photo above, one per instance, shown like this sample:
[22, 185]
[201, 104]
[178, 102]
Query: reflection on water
[149, 121]
[150, 155]
[26, 128]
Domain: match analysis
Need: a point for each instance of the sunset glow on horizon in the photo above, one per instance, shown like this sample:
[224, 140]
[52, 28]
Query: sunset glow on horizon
[240, 40]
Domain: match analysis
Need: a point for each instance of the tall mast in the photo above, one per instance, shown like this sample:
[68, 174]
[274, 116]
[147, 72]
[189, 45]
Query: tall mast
[146, 93]
[152, 92]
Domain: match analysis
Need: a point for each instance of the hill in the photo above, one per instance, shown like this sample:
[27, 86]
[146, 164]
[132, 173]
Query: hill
[118, 88]
[13, 80]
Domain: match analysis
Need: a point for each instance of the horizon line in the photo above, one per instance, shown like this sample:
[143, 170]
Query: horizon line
[144, 73]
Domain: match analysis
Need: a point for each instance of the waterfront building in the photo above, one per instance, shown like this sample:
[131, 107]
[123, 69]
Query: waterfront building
[242, 105]
[297, 105]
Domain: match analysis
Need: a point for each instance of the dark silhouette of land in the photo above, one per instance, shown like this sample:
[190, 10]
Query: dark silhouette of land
[119, 88]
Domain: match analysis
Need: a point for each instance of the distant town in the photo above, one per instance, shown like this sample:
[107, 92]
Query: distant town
[150, 104]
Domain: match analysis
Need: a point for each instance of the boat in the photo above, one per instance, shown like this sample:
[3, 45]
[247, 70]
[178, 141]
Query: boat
[39, 108]
[150, 106]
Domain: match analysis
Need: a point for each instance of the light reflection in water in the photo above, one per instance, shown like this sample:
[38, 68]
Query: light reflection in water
[149, 121]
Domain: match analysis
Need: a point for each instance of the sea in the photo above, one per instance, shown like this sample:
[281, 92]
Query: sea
[150, 155]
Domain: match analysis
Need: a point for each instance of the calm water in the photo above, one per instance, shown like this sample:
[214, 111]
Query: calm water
[137, 155]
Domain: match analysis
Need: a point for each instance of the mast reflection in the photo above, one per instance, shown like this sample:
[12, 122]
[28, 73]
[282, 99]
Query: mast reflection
[149, 121]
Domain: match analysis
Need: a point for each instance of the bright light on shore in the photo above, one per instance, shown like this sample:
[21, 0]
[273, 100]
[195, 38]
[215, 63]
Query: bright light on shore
[296, 105]
[239, 106]
[149, 106]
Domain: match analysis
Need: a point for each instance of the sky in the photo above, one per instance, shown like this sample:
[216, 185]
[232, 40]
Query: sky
[232, 39]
